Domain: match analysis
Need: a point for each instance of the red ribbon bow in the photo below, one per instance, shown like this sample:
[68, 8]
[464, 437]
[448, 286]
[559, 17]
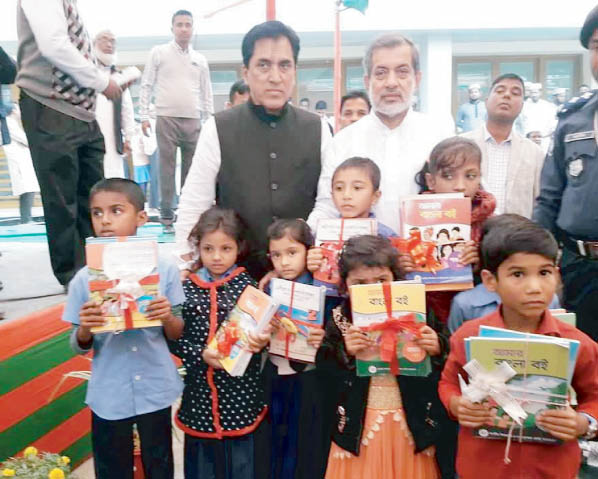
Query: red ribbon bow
[391, 328]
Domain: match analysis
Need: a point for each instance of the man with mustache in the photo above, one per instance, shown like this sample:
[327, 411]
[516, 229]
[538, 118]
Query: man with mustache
[394, 136]
[511, 164]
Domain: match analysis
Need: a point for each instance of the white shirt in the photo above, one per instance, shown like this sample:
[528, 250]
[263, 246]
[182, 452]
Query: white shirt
[400, 153]
[539, 116]
[199, 192]
[499, 156]
[48, 22]
[181, 80]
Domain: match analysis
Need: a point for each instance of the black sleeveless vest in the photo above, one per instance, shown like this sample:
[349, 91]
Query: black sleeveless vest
[269, 169]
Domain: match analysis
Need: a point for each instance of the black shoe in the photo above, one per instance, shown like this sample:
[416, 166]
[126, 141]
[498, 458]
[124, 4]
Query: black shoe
[168, 229]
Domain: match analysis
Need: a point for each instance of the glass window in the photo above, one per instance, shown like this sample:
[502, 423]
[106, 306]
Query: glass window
[354, 80]
[221, 83]
[525, 70]
[468, 73]
[316, 84]
[559, 74]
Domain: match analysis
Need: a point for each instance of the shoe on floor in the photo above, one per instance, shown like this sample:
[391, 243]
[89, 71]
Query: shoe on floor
[168, 229]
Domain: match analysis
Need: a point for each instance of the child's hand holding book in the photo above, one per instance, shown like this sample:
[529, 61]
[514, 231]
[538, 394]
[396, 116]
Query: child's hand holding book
[428, 341]
[470, 414]
[469, 254]
[212, 358]
[90, 317]
[314, 259]
[315, 337]
[564, 424]
[356, 341]
[258, 341]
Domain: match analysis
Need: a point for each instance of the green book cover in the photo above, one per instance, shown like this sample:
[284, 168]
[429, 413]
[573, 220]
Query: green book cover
[542, 367]
[369, 309]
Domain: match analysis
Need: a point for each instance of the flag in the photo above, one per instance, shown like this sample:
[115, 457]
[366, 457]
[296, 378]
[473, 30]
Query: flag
[360, 5]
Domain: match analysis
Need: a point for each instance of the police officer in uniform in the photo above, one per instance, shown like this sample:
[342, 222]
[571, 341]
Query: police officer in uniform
[568, 200]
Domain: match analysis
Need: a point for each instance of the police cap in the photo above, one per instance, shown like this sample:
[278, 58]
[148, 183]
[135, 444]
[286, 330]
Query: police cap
[589, 26]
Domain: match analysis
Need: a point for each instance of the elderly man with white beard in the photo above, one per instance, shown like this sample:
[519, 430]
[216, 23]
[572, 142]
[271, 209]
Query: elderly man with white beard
[394, 136]
[113, 116]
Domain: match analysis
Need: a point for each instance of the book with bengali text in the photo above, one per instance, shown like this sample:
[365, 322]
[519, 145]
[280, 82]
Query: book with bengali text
[434, 230]
[370, 313]
[123, 279]
[251, 314]
[543, 367]
[301, 308]
[330, 237]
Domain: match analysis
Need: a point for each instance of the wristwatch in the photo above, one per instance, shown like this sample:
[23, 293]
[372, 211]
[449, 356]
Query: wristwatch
[592, 427]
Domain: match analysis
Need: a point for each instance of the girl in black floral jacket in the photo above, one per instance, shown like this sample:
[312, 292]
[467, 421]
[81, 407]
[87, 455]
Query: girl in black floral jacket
[218, 412]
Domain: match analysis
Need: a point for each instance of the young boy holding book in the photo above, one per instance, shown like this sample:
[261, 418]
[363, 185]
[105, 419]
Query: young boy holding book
[519, 264]
[133, 380]
[355, 191]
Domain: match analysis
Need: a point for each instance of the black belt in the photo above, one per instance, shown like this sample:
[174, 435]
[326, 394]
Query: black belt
[587, 249]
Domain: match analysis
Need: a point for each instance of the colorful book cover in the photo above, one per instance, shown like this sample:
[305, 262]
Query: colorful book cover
[252, 313]
[542, 367]
[573, 344]
[392, 329]
[434, 229]
[330, 237]
[123, 279]
[301, 308]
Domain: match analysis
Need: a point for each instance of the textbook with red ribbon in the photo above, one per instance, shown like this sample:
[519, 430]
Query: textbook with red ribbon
[301, 308]
[331, 234]
[252, 313]
[392, 314]
[123, 279]
[434, 229]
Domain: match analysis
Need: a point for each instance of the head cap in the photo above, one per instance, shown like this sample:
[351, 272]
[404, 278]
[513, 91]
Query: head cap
[589, 26]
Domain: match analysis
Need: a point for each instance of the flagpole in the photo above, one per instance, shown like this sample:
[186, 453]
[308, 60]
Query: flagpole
[337, 84]
[270, 9]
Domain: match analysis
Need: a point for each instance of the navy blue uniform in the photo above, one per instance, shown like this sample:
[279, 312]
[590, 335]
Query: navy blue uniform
[568, 206]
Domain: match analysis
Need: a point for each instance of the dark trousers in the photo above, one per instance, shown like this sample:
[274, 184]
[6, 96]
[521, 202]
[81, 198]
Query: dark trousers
[68, 157]
[172, 133]
[112, 443]
[580, 290]
[219, 458]
[298, 444]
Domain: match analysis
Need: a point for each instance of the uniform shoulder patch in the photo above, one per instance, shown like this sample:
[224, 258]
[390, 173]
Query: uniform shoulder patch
[576, 103]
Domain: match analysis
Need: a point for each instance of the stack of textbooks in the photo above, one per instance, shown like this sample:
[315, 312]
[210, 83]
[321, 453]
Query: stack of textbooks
[434, 230]
[544, 367]
[123, 279]
[330, 237]
[251, 314]
[371, 313]
[301, 308]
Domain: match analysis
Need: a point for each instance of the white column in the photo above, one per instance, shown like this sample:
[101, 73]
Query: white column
[436, 62]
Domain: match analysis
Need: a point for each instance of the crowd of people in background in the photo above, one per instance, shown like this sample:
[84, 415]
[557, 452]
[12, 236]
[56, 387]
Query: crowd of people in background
[255, 179]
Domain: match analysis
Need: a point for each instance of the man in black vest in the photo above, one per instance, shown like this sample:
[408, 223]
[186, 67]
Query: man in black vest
[262, 158]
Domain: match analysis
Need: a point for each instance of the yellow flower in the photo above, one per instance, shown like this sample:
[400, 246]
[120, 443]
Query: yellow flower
[30, 451]
[8, 473]
[56, 474]
[66, 459]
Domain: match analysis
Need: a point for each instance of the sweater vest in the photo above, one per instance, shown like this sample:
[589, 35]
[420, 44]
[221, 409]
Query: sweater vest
[268, 170]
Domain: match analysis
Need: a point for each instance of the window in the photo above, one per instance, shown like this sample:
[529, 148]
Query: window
[354, 78]
[559, 74]
[315, 84]
[468, 73]
[222, 80]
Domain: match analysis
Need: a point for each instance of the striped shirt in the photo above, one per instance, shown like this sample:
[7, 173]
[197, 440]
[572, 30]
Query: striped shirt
[498, 163]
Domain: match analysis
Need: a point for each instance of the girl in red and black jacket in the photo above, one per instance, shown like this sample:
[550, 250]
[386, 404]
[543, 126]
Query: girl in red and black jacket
[219, 412]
